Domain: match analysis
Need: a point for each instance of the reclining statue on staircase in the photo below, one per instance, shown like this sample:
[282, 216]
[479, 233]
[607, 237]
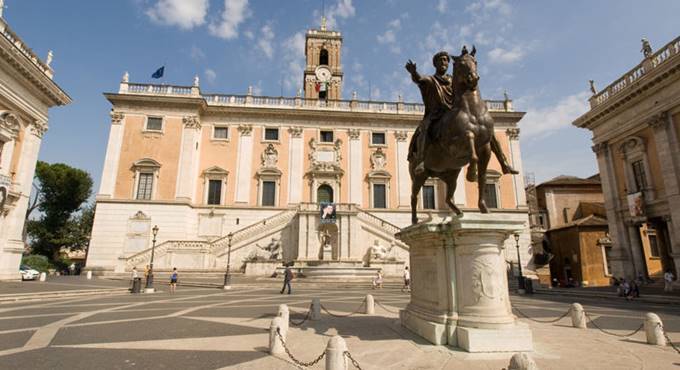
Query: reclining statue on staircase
[273, 249]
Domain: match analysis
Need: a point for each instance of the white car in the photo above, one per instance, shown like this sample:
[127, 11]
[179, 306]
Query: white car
[28, 273]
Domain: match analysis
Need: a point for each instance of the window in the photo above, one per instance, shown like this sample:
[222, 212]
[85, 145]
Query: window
[323, 57]
[268, 193]
[2, 145]
[220, 132]
[379, 196]
[653, 244]
[639, 174]
[215, 192]
[565, 215]
[326, 136]
[378, 138]
[145, 186]
[271, 134]
[324, 194]
[154, 124]
[491, 197]
[428, 197]
[323, 94]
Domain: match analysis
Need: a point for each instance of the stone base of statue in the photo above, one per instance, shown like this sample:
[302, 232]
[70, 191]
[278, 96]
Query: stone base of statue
[327, 252]
[459, 284]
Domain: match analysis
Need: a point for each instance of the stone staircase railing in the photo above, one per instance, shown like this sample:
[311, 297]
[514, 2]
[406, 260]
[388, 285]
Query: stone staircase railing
[145, 256]
[378, 223]
[238, 238]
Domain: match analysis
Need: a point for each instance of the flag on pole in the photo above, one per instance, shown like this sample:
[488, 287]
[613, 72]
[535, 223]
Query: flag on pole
[317, 87]
[158, 73]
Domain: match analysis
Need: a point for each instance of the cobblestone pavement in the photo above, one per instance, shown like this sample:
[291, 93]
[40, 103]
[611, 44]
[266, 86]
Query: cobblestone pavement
[202, 328]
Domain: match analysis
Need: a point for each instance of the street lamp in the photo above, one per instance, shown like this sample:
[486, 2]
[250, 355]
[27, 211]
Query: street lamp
[149, 276]
[520, 278]
[227, 276]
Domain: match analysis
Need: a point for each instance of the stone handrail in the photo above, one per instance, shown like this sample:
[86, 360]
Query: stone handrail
[381, 224]
[645, 67]
[252, 230]
[162, 248]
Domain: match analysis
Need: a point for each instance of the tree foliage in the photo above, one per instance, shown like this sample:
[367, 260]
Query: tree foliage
[61, 191]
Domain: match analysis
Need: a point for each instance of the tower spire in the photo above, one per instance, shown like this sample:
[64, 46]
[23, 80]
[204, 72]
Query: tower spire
[323, 15]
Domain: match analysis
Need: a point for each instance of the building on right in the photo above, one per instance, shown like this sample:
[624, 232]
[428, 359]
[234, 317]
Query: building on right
[635, 123]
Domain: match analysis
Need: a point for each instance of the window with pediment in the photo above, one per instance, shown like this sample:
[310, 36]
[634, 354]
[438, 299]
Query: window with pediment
[146, 178]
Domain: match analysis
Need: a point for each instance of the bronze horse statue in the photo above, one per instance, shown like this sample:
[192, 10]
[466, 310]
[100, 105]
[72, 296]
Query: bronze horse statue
[461, 137]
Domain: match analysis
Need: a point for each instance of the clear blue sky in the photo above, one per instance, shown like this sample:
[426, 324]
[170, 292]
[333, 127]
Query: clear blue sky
[541, 52]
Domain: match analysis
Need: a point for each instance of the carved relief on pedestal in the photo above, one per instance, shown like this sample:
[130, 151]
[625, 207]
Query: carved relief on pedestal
[485, 282]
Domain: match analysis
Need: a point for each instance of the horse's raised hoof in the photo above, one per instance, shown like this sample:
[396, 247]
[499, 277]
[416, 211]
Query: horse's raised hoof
[508, 170]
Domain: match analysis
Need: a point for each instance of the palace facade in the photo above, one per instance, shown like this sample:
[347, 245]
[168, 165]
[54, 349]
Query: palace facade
[219, 173]
[27, 91]
[635, 123]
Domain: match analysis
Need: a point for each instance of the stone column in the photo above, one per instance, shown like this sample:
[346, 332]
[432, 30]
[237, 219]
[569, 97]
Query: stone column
[516, 161]
[621, 264]
[244, 164]
[403, 176]
[459, 285]
[295, 164]
[187, 173]
[666, 145]
[113, 148]
[639, 263]
[355, 167]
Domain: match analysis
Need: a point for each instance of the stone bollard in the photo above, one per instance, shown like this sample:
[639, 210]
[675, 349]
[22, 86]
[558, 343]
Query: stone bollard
[284, 314]
[89, 275]
[522, 361]
[316, 310]
[335, 354]
[43, 276]
[654, 330]
[275, 344]
[578, 316]
[370, 305]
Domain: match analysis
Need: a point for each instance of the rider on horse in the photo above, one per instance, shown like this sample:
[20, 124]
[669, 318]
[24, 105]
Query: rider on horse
[437, 94]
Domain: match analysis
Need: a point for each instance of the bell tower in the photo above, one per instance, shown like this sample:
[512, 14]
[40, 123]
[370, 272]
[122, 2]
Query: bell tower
[323, 70]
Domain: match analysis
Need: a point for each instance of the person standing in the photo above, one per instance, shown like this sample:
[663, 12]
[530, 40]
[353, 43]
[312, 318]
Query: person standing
[407, 280]
[287, 277]
[668, 281]
[134, 276]
[173, 280]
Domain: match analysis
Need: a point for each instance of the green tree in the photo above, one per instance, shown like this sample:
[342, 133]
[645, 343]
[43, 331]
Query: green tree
[61, 191]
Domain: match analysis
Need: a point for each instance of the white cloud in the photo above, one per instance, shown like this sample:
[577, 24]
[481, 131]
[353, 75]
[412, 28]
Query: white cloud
[293, 58]
[210, 75]
[186, 14]
[234, 13]
[485, 7]
[343, 9]
[503, 56]
[441, 6]
[265, 41]
[539, 122]
[389, 37]
[196, 53]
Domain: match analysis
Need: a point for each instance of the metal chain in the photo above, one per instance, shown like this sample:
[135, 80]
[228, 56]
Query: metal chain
[612, 333]
[542, 321]
[348, 315]
[290, 355]
[298, 323]
[385, 308]
[668, 339]
[354, 362]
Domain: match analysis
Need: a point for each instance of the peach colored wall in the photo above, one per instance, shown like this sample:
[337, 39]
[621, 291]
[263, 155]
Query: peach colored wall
[221, 154]
[259, 145]
[163, 148]
[654, 166]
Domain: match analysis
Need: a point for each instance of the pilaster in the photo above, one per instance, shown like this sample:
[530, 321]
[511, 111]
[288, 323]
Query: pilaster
[295, 165]
[355, 164]
[516, 160]
[187, 175]
[244, 163]
[112, 159]
[403, 175]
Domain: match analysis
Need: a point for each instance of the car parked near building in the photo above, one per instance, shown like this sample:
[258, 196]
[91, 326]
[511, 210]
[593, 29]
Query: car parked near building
[28, 273]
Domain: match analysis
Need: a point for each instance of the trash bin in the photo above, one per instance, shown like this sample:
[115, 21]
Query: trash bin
[528, 285]
[136, 285]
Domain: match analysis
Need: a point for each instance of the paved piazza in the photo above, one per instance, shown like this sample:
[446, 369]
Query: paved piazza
[207, 328]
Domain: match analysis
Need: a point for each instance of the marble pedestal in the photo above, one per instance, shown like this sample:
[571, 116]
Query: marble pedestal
[459, 284]
[327, 253]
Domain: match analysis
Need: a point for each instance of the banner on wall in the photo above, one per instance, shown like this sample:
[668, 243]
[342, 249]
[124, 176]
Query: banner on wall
[636, 205]
[327, 213]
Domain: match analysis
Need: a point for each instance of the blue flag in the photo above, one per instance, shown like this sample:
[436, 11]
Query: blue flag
[158, 73]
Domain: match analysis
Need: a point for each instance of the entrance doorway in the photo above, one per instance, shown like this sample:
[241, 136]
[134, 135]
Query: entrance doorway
[324, 194]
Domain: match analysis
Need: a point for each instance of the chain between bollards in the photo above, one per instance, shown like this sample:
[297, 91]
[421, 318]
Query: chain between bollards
[348, 315]
[542, 321]
[354, 362]
[298, 323]
[385, 308]
[668, 339]
[295, 360]
[612, 333]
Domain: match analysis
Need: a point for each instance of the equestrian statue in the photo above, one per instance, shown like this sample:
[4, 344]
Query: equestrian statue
[456, 130]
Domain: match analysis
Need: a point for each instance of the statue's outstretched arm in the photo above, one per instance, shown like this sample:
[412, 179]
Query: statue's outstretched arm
[411, 68]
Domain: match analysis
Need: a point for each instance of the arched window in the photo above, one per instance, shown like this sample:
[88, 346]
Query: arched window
[323, 57]
[324, 194]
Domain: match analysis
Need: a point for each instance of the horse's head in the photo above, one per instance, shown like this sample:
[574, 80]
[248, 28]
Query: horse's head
[465, 69]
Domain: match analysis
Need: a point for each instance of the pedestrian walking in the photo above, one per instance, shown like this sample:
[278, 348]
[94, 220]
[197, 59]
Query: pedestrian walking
[173, 280]
[287, 277]
[407, 280]
[134, 275]
[668, 278]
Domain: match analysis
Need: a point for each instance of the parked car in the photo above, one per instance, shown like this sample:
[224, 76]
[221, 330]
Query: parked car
[28, 273]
